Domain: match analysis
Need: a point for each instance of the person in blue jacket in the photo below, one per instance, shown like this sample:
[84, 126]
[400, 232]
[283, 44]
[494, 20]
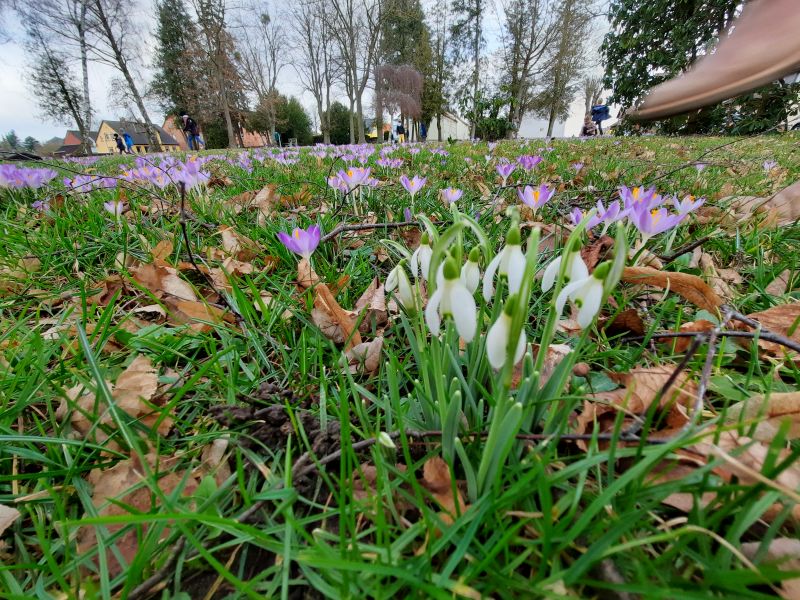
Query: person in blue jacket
[600, 113]
[128, 141]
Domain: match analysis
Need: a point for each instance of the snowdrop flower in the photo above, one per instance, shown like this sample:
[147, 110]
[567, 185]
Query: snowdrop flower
[421, 258]
[302, 241]
[451, 195]
[498, 336]
[452, 298]
[586, 293]
[535, 198]
[576, 269]
[471, 271]
[398, 280]
[687, 205]
[510, 261]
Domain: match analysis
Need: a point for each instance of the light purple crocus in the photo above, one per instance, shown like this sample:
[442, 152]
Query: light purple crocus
[577, 166]
[612, 214]
[653, 222]
[451, 195]
[354, 177]
[505, 170]
[114, 207]
[302, 241]
[407, 215]
[700, 167]
[528, 161]
[769, 165]
[688, 204]
[41, 205]
[412, 185]
[535, 198]
[639, 199]
[578, 215]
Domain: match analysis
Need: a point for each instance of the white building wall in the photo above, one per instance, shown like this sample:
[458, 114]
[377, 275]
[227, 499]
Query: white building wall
[534, 127]
[451, 128]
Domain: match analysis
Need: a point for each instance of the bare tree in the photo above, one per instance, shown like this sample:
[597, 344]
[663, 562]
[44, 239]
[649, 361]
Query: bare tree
[592, 88]
[111, 22]
[356, 28]
[440, 41]
[402, 89]
[260, 56]
[68, 22]
[314, 62]
[528, 31]
[217, 46]
[467, 38]
[52, 84]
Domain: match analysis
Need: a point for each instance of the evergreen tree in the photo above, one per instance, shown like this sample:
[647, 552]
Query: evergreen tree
[11, 139]
[173, 82]
[30, 144]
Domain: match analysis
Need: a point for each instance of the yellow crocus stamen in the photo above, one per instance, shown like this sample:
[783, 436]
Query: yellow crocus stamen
[655, 215]
[536, 195]
[635, 193]
[296, 233]
[350, 172]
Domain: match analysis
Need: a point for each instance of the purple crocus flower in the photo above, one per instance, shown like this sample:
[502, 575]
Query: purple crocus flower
[687, 205]
[451, 195]
[354, 177]
[700, 167]
[302, 241]
[535, 198]
[528, 162]
[41, 205]
[407, 215]
[412, 185]
[769, 165]
[612, 214]
[578, 215]
[577, 166]
[114, 207]
[653, 222]
[505, 170]
[639, 199]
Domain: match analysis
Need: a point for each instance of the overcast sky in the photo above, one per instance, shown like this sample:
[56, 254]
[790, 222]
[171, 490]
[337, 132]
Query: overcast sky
[18, 108]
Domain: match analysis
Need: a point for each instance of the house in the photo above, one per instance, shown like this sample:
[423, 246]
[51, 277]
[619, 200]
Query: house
[138, 131]
[73, 144]
[453, 127]
[534, 127]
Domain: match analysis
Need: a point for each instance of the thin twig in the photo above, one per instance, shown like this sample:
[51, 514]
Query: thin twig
[366, 227]
[668, 258]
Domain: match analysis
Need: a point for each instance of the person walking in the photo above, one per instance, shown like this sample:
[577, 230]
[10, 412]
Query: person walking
[192, 132]
[401, 133]
[589, 129]
[600, 113]
[120, 143]
[128, 141]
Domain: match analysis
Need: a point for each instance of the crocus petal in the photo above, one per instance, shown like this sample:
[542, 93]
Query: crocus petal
[549, 276]
[432, 312]
[462, 307]
[488, 277]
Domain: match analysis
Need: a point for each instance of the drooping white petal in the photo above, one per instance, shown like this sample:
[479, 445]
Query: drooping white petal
[521, 343]
[425, 254]
[414, 263]
[488, 277]
[567, 292]
[432, 312]
[405, 293]
[392, 279]
[590, 298]
[462, 307]
[549, 276]
[497, 341]
[577, 268]
[471, 276]
[515, 268]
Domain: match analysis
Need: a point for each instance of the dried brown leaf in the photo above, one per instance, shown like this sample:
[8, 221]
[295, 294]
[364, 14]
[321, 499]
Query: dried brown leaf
[785, 552]
[780, 285]
[162, 279]
[8, 515]
[267, 201]
[597, 251]
[783, 319]
[690, 287]
[372, 304]
[768, 412]
[336, 323]
[365, 358]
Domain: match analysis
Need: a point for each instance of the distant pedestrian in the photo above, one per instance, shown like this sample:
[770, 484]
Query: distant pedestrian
[128, 141]
[192, 132]
[401, 133]
[600, 113]
[589, 129]
[276, 136]
[423, 132]
[120, 143]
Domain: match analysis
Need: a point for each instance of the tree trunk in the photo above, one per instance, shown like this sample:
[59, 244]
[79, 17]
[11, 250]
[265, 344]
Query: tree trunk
[226, 109]
[352, 122]
[360, 116]
[439, 126]
[476, 73]
[378, 108]
[122, 64]
[87, 119]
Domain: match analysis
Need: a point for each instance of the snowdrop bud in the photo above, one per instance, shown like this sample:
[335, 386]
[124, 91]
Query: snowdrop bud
[421, 258]
[470, 272]
[452, 298]
[385, 440]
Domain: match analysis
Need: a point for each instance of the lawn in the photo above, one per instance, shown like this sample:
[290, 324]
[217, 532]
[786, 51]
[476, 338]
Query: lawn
[192, 406]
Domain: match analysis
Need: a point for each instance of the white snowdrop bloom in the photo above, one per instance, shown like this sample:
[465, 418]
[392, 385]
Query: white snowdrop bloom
[421, 259]
[471, 272]
[452, 298]
[498, 336]
[398, 280]
[576, 269]
[509, 262]
[586, 293]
